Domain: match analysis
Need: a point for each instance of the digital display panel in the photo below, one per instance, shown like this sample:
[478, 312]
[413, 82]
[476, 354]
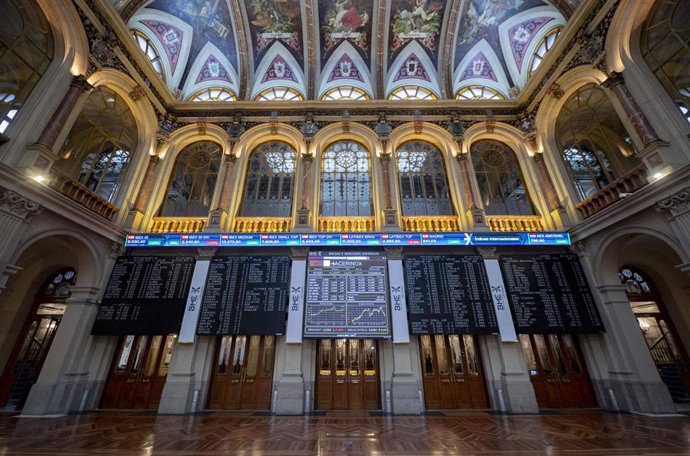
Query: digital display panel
[245, 295]
[347, 295]
[145, 295]
[344, 239]
[549, 294]
[448, 294]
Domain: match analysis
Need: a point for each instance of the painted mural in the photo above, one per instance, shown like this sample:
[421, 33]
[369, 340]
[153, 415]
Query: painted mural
[210, 21]
[275, 20]
[419, 20]
[345, 20]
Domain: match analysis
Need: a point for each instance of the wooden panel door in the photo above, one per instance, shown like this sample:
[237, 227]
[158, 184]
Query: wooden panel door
[451, 371]
[347, 375]
[243, 373]
[557, 371]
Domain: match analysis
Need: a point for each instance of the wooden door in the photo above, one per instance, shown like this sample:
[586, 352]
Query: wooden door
[243, 373]
[347, 375]
[138, 374]
[451, 372]
[557, 371]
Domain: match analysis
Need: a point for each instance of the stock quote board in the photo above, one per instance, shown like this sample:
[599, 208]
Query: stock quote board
[347, 295]
[549, 293]
[145, 295]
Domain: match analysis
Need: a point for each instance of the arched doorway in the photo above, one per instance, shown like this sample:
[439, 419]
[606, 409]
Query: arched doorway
[669, 355]
[32, 346]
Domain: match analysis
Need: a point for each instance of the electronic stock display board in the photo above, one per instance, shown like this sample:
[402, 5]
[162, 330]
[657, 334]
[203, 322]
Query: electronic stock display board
[347, 295]
[145, 295]
[345, 239]
[448, 294]
[245, 295]
[549, 294]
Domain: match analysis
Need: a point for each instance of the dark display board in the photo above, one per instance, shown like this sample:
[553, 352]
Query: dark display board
[448, 294]
[347, 295]
[145, 295]
[549, 294]
[245, 295]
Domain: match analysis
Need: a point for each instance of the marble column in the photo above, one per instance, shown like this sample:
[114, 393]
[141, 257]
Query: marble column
[558, 213]
[15, 212]
[478, 218]
[389, 214]
[677, 211]
[136, 214]
[302, 223]
[218, 216]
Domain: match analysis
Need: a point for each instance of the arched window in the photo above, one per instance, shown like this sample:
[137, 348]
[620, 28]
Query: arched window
[193, 180]
[423, 185]
[149, 51]
[345, 180]
[26, 50]
[543, 47]
[412, 92]
[666, 48]
[499, 179]
[270, 180]
[594, 144]
[345, 93]
[100, 144]
[279, 94]
[477, 92]
[214, 94]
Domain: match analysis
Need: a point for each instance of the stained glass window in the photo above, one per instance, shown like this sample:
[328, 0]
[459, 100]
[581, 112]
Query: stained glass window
[345, 180]
[269, 183]
[422, 177]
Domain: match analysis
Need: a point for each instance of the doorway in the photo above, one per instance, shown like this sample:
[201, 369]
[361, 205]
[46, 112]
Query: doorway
[243, 373]
[557, 371]
[30, 351]
[452, 372]
[138, 374]
[347, 375]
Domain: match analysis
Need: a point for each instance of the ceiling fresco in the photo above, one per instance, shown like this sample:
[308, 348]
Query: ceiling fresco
[248, 46]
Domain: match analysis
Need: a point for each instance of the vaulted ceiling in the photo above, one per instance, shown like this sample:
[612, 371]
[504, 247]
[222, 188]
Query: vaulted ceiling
[346, 48]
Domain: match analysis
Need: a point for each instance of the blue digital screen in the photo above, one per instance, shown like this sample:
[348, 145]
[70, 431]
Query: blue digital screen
[345, 239]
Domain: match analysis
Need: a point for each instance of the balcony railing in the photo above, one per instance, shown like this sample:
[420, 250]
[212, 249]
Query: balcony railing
[178, 224]
[261, 225]
[615, 191]
[346, 224]
[82, 195]
[514, 222]
[442, 223]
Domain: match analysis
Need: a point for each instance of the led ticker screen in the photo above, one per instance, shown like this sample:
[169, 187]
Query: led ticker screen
[344, 239]
[347, 295]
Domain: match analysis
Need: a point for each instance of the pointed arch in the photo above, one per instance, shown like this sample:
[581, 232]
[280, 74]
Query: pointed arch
[481, 66]
[227, 76]
[295, 80]
[345, 50]
[423, 75]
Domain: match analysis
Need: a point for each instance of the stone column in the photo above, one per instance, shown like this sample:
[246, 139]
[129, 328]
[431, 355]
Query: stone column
[558, 213]
[677, 211]
[40, 156]
[63, 383]
[303, 211]
[507, 377]
[478, 218]
[136, 214]
[389, 214]
[218, 216]
[15, 212]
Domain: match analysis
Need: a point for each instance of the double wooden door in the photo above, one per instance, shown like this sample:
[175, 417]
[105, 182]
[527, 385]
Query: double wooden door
[347, 375]
[557, 371]
[452, 372]
[243, 373]
[138, 374]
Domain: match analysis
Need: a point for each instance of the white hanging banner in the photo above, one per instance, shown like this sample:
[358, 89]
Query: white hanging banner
[191, 311]
[499, 297]
[298, 277]
[396, 282]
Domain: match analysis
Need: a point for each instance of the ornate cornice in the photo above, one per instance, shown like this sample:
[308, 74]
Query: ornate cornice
[675, 205]
[15, 204]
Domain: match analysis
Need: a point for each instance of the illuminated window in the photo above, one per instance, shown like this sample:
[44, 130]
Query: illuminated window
[477, 92]
[423, 185]
[544, 46]
[269, 183]
[193, 181]
[279, 94]
[345, 180]
[149, 51]
[214, 94]
[26, 50]
[412, 93]
[664, 44]
[499, 179]
[345, 93]
[594, 144]
[99, 146]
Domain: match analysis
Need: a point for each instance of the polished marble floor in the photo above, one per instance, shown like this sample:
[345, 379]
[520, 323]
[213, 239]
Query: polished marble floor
[342, 434]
